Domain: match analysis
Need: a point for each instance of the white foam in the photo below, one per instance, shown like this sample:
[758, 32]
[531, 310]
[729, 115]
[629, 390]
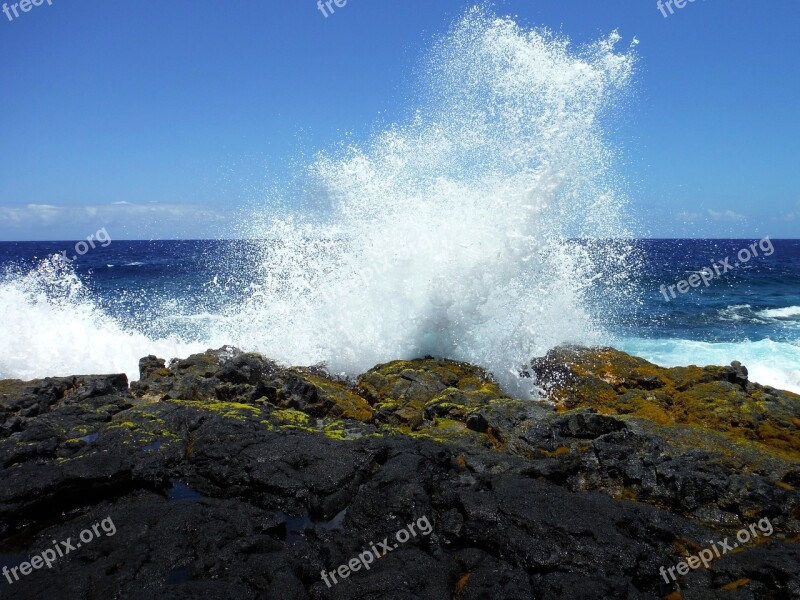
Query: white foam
[789, 312]
[741, 313]
[51, 327]
[450, 234]
[776, 364]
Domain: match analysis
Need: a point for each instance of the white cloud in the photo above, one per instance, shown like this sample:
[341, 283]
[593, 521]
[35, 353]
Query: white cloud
[45, 213]
[43, 221]
[791, 215]
[688, 216]
[727, 215]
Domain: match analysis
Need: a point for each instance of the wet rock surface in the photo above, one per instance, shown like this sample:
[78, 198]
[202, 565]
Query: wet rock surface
[229, 476]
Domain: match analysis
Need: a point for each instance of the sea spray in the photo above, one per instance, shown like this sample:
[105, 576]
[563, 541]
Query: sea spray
[52, 326]
[476, 229]
[454, 234]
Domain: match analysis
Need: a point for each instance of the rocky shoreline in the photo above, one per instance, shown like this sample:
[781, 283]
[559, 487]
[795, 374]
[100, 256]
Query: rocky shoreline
[229, 476]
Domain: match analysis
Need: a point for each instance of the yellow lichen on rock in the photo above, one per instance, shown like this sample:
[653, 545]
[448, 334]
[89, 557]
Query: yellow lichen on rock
[715, 398]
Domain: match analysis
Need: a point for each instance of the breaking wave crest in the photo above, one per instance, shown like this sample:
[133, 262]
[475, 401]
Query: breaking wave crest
[476, 229]
[51, 326]
[453, 234]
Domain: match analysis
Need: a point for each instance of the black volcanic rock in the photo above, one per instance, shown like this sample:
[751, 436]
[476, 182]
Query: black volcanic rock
[228, 476]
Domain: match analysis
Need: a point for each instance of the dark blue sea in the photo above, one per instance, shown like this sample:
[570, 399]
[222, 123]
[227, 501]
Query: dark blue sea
[103, 310]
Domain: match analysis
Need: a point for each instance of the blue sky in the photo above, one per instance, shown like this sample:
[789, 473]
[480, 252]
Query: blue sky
[163, 119]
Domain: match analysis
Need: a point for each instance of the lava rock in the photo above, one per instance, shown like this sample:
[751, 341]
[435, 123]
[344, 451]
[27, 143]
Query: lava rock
[226, 475]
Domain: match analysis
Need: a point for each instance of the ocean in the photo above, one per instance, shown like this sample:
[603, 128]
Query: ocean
[106, 309]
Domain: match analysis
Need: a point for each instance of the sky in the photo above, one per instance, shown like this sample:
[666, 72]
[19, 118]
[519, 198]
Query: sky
[170, 119]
